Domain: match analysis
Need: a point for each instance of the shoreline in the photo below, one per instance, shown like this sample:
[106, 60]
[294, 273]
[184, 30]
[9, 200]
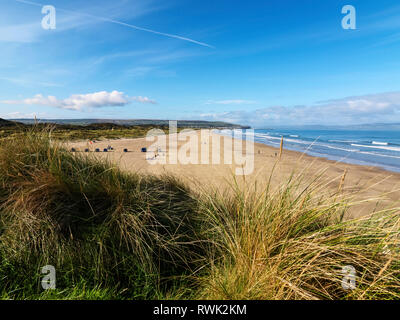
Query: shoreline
[343, 160]
[326, 158]
[349, 156]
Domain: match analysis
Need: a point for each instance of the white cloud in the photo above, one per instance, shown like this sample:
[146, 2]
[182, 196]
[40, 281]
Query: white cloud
[233, 101]
[79, 102]
[22, 115]
[382, 107]
[143, 100]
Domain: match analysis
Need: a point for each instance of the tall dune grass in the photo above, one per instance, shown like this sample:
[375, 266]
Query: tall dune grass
[114, 235]
[89, 220]
[292, 243]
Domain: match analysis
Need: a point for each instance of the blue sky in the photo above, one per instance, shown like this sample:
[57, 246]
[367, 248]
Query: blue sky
[263, 63]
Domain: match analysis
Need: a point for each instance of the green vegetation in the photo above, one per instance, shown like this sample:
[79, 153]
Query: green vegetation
[97, 129]
[66, 132]
[114, 235]
[101, 131]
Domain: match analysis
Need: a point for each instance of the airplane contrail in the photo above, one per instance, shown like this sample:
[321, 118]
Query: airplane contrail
[122, 24]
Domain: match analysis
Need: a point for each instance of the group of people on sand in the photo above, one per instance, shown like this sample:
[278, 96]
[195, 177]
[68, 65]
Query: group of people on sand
[157, 153]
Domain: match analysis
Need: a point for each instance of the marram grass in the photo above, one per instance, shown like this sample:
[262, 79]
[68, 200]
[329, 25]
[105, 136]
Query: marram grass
[293, 244]
[114, 235]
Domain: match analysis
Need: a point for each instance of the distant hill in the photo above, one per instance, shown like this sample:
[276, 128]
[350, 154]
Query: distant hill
[138, 122]
[361, 127]
[7, 123]
[377, 126]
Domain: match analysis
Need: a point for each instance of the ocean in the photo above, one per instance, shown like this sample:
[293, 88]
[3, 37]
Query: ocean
[374, 148]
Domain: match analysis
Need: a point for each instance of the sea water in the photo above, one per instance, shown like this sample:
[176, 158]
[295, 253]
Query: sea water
[374, 148]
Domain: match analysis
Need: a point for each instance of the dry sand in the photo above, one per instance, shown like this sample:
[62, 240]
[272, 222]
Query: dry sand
[366, 180]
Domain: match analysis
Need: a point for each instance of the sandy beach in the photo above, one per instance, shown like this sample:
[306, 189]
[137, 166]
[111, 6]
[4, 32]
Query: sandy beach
[368, 182]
